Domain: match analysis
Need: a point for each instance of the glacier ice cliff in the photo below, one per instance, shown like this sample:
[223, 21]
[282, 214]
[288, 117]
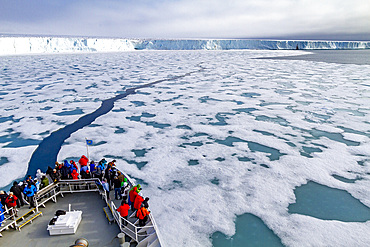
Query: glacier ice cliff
[35, 45]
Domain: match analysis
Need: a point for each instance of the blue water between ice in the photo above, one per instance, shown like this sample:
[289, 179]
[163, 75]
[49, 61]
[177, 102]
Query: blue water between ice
[250, 231]
[313, 199]
[327, 203]
[47, 151]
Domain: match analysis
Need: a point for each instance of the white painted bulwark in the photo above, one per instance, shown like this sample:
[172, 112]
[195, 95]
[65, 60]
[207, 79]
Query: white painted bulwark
[66, 224]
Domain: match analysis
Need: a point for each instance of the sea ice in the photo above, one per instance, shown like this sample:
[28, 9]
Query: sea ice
[288, 106]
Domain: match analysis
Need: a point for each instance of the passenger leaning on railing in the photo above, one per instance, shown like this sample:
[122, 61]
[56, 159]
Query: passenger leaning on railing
[11, 203]
[123, 210]
[75, 175]
[55, 176]
[145, 202]
[44, 182]
[143, 215]
[138, 201]
[132, 195]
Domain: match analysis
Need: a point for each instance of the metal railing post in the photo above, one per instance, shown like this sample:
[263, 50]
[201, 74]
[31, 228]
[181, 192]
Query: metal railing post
[120, 223]
[136, 237]
[55, 195]
[36, 203]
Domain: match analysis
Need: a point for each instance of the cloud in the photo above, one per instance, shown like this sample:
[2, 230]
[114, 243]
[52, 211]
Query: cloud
[188, 18]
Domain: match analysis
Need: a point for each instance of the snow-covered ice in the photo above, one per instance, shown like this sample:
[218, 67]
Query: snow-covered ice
[34, 45]
[259, 128]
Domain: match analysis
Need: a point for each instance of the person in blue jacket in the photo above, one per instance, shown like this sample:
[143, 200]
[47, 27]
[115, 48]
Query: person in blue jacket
[1, 214]
[92, 167]
[106, 187]
[30, 191]
[101, 165]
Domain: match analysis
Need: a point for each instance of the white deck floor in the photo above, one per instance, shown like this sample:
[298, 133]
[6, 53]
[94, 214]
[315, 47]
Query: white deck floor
[94, 225]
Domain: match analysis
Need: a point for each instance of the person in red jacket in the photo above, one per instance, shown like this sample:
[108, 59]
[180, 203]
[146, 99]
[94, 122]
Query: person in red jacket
[83, 161]
[143, 215]
[74, 175]
[132, 195]
[11, 202]
[138, 201]
[123, 211]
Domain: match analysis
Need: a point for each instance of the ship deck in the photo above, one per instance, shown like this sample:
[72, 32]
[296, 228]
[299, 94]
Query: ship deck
[94, 225]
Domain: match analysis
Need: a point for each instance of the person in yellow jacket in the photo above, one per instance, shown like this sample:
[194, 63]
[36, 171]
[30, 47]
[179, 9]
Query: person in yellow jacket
[143, 215]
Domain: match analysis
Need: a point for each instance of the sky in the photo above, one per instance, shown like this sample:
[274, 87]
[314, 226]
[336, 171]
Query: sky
[290, 19]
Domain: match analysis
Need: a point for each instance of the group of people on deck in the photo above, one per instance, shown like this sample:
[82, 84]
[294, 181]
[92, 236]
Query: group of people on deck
[139, 205]
[19, 194]
[106, 172]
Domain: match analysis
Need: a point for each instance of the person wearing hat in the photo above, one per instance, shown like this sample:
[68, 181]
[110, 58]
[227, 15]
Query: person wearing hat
[39, 175]
[145, 202]
[30, 191]
[11, 203]
[55, 175]
[44, 182]
[143, 215]
[75, 175]
[3, 197]
[17, 190]
[132, 195]
[29, 180]
[138, 201]
[125, 187]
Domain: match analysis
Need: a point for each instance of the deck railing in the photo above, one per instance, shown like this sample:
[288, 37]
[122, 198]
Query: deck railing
[51, 192]
[9, 219]
[130, 228]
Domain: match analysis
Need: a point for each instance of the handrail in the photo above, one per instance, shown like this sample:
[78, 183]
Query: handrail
[132, 183]
[29, 220]
[119, 220]
[10, 216]
[51, 191]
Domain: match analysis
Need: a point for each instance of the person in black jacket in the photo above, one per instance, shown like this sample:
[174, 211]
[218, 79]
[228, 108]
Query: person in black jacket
[29, 180]
[55, 176]
[3, 197]
[145, 202]
[17, 191]
[117, 188]
[108, 176]
[64, 171]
